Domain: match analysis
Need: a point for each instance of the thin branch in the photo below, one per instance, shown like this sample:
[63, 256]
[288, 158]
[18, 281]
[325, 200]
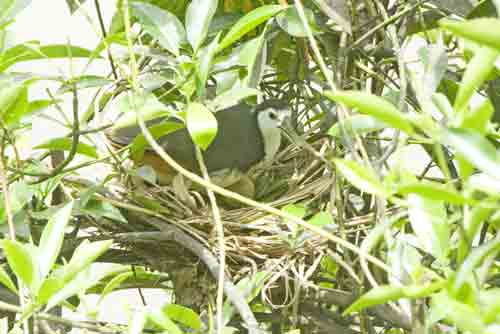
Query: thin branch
[220, 237]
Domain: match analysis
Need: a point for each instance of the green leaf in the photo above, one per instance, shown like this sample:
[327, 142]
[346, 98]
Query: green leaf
[18, 109]
[429, 222]
[85, 279]
[478, 118]
[138, 322]
[65, 144]
[98, 209]
[199, 15]
[73, 5]
[473, 260]
[483, 30]
[475, 75]
[361, 177]
[249, 287]
[465, 317]
[52, 238]
[162, 320]
[289, 20]
[379, 295]
[247, 23]
[373, 105]
[183, 315]
[49, 288]
[254, 55]
[434, 191]
[22, 262]
[6, 281]
[148, 105]
[140, 143]
[10, 8]
[86, 253]
[114, 283]
[435, 61]
[321, 219]
[232, 97]
[359, 124]
[84, 81]
[206, 60]
[475, 148]
[386, 293]
[201, 124]
[161, 24]
[33, 51]
[20, 194]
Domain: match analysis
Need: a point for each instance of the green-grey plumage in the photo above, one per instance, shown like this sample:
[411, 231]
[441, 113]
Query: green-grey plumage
[239, 144]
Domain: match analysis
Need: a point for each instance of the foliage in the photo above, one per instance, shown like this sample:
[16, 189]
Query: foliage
[369, 83]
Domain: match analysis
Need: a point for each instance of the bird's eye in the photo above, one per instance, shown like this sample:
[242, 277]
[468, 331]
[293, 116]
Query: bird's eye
[273, 116]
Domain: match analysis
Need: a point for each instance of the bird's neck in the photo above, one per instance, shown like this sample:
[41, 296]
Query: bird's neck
[272, 139]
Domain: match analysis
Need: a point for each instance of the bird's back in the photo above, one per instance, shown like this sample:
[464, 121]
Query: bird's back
[238, 143]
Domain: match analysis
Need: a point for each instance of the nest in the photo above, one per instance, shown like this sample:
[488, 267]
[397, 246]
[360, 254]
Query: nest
[254, 240]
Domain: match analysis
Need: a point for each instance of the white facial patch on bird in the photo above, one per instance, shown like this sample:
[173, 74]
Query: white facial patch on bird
[270, 121]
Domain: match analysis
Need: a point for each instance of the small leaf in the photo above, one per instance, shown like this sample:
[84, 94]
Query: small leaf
[473, 260]
[161, 24]
[359, 124]
[429, 222]
[199, 15]
[433, 191]
[249, 287]
[18, 109]
[476, 73]
[361, 177]
[86, 253]
[248, 23]
[114, 283]
[465, 317]
[65, 144]
[373, 105]
[475, 148]
[10, 8]
[201, 124]
[73, 5]
[435, 61]
[232, 97]
[49, 288]
[206, 60]
[6, 281]
[33, 51]
[379, 295]
[321, 219]
[159, 130]
[183, 315]
[478, 118]
[482, 31]
[290, 21]
[98, 209]
[52, 238]
[21, 261]
[162, 320]
[148, 105]
[138, 322]
[338, 11]
[84, 81]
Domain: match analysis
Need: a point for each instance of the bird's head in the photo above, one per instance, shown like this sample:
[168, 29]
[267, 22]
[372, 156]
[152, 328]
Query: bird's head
[272, 117]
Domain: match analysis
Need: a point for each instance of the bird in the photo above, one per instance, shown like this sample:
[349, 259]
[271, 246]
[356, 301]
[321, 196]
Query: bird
[247, 135]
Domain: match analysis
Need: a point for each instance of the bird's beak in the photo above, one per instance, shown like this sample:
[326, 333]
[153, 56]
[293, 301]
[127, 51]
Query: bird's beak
[286, 124]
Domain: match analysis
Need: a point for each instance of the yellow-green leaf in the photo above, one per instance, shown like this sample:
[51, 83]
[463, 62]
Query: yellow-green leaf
[483, 30]
[375, 106]
[202, 124]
